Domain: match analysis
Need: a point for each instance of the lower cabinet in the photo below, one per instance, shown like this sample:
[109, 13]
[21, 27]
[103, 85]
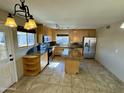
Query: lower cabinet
[58, 51]
[31, 65]
[34, 64]
[72, 66]
[43, 60]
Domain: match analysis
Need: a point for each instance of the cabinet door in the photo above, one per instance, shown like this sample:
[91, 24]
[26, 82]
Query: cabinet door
[44, 60]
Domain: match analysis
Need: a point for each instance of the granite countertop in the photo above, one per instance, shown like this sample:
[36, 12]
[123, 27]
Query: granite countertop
[72, 53]
[69, 46]
[40, 52]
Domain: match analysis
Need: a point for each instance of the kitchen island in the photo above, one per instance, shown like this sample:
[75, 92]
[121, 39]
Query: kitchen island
[72, 58]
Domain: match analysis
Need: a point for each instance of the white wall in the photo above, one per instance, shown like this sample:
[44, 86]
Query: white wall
[110, 49]
[19, 52]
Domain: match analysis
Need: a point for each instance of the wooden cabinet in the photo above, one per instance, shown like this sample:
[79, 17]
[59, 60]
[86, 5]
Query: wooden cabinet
[31, 65]
[71, 66]
[58, 51]
[39, 32]
[43, 30]
[43, 60]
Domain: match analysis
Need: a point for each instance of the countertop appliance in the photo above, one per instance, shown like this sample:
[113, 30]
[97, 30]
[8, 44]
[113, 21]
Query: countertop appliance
[89, 47]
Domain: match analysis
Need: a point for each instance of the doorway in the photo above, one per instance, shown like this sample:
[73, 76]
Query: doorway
[8, 74]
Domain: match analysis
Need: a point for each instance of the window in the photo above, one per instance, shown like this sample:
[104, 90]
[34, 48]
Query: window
[31, 39]
[62, 39]
[25, 39]
[3, 49]
[22, 39]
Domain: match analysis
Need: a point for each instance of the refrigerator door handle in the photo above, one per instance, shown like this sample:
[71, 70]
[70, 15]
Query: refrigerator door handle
[89, 46]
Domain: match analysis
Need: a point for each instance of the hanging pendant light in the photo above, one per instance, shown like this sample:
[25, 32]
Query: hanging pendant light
[21, 8]
[26, 26]
[10, 21]
[122, 25]
[30, 23]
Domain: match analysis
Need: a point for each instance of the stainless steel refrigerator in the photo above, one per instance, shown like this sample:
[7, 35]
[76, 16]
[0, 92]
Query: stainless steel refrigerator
[89, 47]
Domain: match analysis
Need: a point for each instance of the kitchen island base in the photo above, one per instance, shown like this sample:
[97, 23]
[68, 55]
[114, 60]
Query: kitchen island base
[72, 66]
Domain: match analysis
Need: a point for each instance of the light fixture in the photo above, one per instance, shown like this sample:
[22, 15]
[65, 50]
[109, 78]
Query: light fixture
[30, 23]
[10, 21]
[21, 8]
[122, 25]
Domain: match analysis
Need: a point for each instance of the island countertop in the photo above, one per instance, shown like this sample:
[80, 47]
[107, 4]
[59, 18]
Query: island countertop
[73, 53]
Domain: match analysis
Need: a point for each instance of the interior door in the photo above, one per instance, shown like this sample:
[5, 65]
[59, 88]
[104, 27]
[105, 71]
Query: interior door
[8, 74]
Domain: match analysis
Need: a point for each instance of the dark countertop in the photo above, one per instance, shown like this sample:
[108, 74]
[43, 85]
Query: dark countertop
[39, 49]
[34, 51]
[68, 46]
[72, 53]
[43, 48]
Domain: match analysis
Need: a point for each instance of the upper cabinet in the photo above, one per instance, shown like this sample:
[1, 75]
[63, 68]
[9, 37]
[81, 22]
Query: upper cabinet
[39, 33]
[75, 35]
[92, 33]
[43, 30]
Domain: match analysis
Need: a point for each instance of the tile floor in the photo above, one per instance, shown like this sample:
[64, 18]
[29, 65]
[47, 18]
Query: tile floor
[93, 78]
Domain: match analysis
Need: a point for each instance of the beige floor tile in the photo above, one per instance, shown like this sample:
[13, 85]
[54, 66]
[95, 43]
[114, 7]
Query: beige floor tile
[37, 88]
[78, 90]
[66, 89]
[51, 89]
[78, 83]
[93, 78]
[42, 79]
[66, 80]
[92, 91]
[54, 80]
[24, 84]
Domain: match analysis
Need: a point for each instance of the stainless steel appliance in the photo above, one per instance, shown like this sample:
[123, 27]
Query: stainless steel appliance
[89, 47]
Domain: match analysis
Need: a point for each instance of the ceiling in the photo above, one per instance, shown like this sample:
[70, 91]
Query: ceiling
[79, 14]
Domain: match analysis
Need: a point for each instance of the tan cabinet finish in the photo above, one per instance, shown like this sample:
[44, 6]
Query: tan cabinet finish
[39, 32]
[33, 65]
[44, 30]
[43, 60]
[75, 35]
[71, 66]
[58, 51]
